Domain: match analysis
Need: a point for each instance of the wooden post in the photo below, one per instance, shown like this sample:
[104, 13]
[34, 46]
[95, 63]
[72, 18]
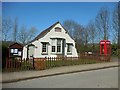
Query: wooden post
[50, 61]
[33, 64]
[54, 61]
[6, 63]
[24, 64]
[9, 63]
[14, 64]
[45, 63]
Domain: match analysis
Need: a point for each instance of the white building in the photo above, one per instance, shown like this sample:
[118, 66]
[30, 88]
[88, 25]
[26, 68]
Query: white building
[52, 42]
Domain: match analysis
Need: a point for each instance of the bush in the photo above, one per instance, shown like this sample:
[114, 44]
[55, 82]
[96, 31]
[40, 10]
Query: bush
[4, 54]
[115, 50]
[26, 66]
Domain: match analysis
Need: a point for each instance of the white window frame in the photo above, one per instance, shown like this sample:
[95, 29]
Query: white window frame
[53, 43]
[14, 50]
[58, 29]
[11, 50]
[52, 49]
[46, 48]
[19, 53]
[60, 46]
[70, 47]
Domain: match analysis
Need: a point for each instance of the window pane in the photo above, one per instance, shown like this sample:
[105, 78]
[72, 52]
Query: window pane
[44, 47]
[58, 48]
[58, 42]
[53, 48]
[19, 53]
[69, 48]
[58, 45]
[15, 50]
[11, 51]
[57, 29]
[53, 42]
[44, 50]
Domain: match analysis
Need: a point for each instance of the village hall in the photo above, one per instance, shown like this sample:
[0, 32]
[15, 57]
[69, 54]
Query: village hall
[55, 41]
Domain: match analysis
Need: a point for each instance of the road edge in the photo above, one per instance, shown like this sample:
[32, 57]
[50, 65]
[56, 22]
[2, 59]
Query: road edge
[27, 78]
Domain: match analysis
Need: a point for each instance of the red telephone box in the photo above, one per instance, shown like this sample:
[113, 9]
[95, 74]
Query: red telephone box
[105, 47]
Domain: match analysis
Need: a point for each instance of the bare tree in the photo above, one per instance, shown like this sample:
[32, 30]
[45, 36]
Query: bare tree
[79, 36]
[69, 25]
[102, 23]
[76, 31]
[0, 28]
[92, 32]
[79, 33]
[6, 27]
[15, 29]
[86, 37]
[22, 35]
[119, 26]
[26, 35]
[115, 25]
[32, 31]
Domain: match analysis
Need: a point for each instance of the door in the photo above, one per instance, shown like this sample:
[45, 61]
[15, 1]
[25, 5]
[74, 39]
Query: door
[30, 51]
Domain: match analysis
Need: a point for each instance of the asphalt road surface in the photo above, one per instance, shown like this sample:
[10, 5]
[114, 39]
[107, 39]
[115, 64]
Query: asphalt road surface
[104, 78]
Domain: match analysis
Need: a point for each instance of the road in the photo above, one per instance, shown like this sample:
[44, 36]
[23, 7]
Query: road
[104, 78]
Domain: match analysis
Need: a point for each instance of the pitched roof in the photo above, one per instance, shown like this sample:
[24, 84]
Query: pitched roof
[9, 43]
[44, 32]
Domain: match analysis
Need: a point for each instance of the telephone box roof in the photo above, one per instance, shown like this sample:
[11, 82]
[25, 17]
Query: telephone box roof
[104, 41]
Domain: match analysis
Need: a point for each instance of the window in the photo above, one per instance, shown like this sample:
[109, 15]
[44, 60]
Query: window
[69, 48]
[53, 48]
[53, 45]
[13, 50]
[44, 47]
[58, 45]
[19, 53]
[57, 29]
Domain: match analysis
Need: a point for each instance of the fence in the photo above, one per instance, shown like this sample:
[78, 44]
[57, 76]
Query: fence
[50, 62]
[19, 64]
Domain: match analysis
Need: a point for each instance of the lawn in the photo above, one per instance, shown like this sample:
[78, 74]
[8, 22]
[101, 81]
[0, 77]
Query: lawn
[58, 63]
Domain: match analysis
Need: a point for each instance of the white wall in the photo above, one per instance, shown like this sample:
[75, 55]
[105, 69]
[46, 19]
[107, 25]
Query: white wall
[46, 38]
[24, 52]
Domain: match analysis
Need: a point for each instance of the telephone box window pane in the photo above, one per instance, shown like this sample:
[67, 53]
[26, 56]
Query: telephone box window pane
[102, 49]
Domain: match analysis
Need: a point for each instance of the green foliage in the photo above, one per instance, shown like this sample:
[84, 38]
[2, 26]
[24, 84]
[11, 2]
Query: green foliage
[89, 47]
[115, 50]
[4, 54]
[68, 62]
[26, 65]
